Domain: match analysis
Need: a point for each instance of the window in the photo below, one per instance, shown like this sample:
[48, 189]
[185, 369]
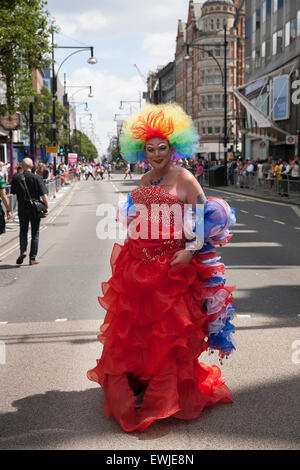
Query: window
[263, 50]
[275, 6]
[258, 18]
[203, 102]
[217, 127]
[212, 25]
[268, 8]
[264, 12]
[218, 48]
[247, 29]
[203, 80]
[298, 23]
[209, 128]
[293, 32]
[257, 58]
[210, 76]
[277, 42]
[218, 102]
[218, 24]
[209, 102]
[218, 77]
[203, 128]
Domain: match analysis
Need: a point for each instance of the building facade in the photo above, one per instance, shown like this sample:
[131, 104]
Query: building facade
[270, 94]
[200, 71]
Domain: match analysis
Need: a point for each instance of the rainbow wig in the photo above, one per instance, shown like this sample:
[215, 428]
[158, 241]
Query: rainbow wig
[167, 121]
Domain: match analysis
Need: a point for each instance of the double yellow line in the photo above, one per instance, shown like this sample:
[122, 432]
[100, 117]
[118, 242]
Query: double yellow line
[10, 250]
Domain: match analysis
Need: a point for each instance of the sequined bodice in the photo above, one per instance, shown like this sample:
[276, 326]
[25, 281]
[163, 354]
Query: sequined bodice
[158, 229]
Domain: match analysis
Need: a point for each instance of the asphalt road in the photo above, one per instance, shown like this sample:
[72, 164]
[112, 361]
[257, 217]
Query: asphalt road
[50, 316]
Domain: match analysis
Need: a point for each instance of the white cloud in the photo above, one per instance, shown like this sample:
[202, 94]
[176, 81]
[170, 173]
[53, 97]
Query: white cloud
[160, 45]
[86, 23]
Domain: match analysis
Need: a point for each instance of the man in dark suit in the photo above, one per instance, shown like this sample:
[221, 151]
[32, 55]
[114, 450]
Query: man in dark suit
[36, 189]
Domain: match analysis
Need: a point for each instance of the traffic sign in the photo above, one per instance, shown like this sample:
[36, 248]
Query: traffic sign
[51, 149]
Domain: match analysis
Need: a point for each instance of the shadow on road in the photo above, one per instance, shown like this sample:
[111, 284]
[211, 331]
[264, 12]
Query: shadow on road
[266, 412]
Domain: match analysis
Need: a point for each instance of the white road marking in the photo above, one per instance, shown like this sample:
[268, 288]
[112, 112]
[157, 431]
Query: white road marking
[297, 228]
[278, 222]
[243, 231]
[243, 316]
[253, 244]
[3, 322]
[61, 319]
[244, 212]
[260, 216]
[240, 225]
[262, 267]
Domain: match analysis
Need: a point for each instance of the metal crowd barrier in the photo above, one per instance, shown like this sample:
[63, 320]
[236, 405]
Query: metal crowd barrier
[269, 185]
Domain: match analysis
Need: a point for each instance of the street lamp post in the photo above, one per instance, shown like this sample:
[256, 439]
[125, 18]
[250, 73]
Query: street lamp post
[92, 60]
[128, 101]
[224, 81]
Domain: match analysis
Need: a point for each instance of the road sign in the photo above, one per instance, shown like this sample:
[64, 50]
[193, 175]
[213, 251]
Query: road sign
[51, 149]
[291, 139]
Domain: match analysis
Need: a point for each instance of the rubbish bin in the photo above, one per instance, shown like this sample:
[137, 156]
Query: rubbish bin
[216, 176]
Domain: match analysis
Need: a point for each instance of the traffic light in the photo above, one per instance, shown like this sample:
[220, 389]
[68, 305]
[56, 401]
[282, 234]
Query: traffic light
[83, 158]
[26, 153]
[61, 150]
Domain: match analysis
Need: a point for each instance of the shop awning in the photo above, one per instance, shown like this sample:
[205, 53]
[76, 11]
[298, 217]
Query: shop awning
[261, 119]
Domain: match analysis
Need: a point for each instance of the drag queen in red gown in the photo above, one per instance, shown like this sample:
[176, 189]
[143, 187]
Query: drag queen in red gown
[166, 301]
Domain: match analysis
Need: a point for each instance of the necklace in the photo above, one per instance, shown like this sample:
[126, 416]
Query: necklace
[155, 183]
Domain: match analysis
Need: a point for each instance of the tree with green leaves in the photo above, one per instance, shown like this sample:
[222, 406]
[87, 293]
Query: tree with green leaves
[43, 119]
[24, 46]
[83, 146]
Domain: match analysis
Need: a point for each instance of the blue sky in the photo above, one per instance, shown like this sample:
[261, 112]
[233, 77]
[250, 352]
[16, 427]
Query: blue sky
[123, 33]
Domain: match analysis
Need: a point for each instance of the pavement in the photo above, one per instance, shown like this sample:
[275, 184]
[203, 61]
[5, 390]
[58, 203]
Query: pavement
[50, 319]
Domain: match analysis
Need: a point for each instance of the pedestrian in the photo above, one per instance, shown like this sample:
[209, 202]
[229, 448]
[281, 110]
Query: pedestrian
[295, 176]
[199, 171]
[4, 199]
[24, 185]
[109, 170]
[166, 301]
[127, 171]
[260, 174]
[4, 167]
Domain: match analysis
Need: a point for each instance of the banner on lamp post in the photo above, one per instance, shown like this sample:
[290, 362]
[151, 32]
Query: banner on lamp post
[72, 158]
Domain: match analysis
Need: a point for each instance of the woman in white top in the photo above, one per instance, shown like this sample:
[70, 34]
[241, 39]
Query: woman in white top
[295, 186]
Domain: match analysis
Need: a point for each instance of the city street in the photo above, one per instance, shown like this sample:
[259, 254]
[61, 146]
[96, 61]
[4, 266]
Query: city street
[50, 318]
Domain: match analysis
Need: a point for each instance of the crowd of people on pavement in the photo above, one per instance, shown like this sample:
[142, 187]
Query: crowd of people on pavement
[272, 174]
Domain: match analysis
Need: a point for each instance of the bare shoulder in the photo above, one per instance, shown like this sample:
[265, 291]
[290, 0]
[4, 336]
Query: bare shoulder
[190, 187]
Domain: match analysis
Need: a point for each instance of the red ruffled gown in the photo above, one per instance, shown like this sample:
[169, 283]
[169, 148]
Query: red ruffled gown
[157, 326]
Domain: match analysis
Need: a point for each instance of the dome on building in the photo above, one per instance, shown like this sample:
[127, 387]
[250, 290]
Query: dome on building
[226, 2]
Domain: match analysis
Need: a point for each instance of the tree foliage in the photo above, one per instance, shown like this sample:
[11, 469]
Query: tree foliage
[43, 118]
[82, 145]
[24, 46]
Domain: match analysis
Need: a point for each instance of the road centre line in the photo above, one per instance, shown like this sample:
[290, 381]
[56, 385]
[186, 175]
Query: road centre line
[243, 231]
[278, 222]
[260, 216]
[244, 212]
[249, 266]
[253, 244]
